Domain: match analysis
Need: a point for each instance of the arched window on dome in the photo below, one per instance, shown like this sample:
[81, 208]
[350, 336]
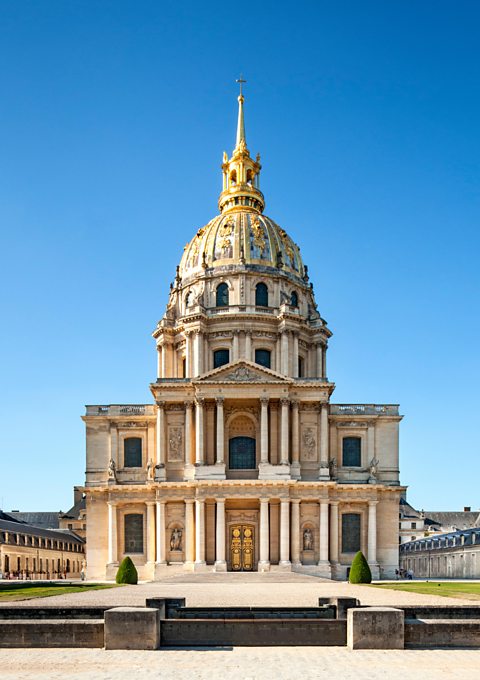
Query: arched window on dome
[294, 299]
[188, 298]
[261, 295]
[222, 297]
[233, 177]
[263, 357]
[250, 178]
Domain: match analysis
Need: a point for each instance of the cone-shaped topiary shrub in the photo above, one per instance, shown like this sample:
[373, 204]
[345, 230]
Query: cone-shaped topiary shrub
[360, 571]
[127, 572]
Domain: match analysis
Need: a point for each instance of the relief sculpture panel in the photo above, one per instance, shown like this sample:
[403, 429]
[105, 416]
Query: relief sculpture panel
[309, 443]
[175, 444]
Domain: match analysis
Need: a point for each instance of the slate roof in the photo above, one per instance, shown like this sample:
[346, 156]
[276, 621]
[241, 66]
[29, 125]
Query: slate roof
[58, 534]
[408, 511]
[43, 520]
[460, 520]
[75, 510]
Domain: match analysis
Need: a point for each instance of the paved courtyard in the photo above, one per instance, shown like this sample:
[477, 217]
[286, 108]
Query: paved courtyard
[248, 663]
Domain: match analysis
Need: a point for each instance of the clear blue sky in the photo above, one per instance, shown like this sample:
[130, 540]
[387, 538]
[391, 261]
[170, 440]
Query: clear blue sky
[113, 119]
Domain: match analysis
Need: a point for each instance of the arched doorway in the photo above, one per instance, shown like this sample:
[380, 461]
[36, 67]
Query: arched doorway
[242, 453]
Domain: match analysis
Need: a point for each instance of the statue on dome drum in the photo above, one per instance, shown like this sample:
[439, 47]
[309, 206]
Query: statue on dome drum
[150, 471]
[373, 470]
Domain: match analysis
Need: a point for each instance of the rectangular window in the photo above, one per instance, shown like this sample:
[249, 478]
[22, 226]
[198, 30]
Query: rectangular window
[220, 357]
[352, 452]
[134, 533]
[351, 532]
[414, 525]
[132, 449]
[262, 357]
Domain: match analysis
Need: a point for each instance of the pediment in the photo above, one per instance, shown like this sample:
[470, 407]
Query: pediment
[242, 372]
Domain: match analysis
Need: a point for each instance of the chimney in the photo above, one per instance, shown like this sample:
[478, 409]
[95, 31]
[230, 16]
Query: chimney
[467, 508]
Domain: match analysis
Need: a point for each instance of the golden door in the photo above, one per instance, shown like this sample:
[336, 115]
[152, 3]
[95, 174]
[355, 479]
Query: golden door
[242, 547]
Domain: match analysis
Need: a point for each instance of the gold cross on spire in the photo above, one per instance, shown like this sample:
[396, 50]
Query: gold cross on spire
[241, 81]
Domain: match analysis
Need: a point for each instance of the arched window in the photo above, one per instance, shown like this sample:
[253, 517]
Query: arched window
[294, 299]
[221, 357]
[261, 295]
[352, 452]
[351, 523]
[132, 452]
[222, 295]
[188, 298]
[133, 533]
[263, 357]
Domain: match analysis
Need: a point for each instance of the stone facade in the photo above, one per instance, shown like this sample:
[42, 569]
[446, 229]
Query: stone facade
[453, 555]
[242, 462]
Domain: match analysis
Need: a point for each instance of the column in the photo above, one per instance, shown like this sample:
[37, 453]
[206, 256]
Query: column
[324, 362]
[164, 360]
[284, 432]
[235, 346]
[372, 532]
[370, 442]
[334, 531]
[295, 435]
[323, 532]
[199, 531]
[198, 353]
[159, 361]
[264, 430]
[324, 435]
[189, 532]
[199, 434]
[248, 346]
[278, 354]
[160, 557]
[285, 353]
[264, 562]
[161, 433]
[188, 355]
[114, 445]
[285, 532]
[188, 433]
[295, 355]
[150, 531]
[220, 432]
[295, 548]
[112, 532]
[220, 562]
[319, 360]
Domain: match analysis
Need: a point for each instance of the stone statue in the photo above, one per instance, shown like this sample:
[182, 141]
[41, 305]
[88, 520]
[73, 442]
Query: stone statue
[373, 468]
[150, 470]
[112, 470]
[176, 539]
[308, 539]
[332, 465]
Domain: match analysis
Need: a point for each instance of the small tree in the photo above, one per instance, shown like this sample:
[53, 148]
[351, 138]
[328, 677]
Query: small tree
[360, 571]
[127, 572]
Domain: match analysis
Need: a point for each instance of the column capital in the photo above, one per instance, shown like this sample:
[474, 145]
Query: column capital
[324, 501]
[161, 404]
[188, 404]
[285, 401]
[187, 334]
[220, 500]
[295, 501]
[219, 400]
[235, 332]
[264, 500]
[189, 501]
[336, 503]
[113, 504]
[200, 500]
[294, 403]
[372, 504]
[197, 331]
[200, 401]
[160, 501]
[149, 503]
[264, 401]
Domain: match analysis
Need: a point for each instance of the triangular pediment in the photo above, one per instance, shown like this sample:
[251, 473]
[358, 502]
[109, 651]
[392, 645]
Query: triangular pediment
[242, 371]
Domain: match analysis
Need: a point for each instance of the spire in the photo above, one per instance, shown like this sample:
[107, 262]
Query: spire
[241, 121]
[241, 187]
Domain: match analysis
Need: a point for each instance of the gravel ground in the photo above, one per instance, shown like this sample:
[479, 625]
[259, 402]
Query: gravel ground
[287, 589]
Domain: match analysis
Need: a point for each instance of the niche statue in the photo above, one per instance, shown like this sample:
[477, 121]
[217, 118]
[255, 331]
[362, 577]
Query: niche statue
[176, 540]
[307, 539]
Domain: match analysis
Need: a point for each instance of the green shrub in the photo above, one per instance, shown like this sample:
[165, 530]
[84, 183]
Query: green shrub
[127, 572]
[360, 571]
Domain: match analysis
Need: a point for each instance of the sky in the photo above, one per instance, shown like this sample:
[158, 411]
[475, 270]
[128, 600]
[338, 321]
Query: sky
[113, 119]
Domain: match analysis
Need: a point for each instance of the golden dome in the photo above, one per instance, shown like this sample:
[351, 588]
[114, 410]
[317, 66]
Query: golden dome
[241, 237]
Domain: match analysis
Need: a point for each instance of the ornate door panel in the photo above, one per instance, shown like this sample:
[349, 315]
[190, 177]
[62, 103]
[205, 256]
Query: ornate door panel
[242, 547]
